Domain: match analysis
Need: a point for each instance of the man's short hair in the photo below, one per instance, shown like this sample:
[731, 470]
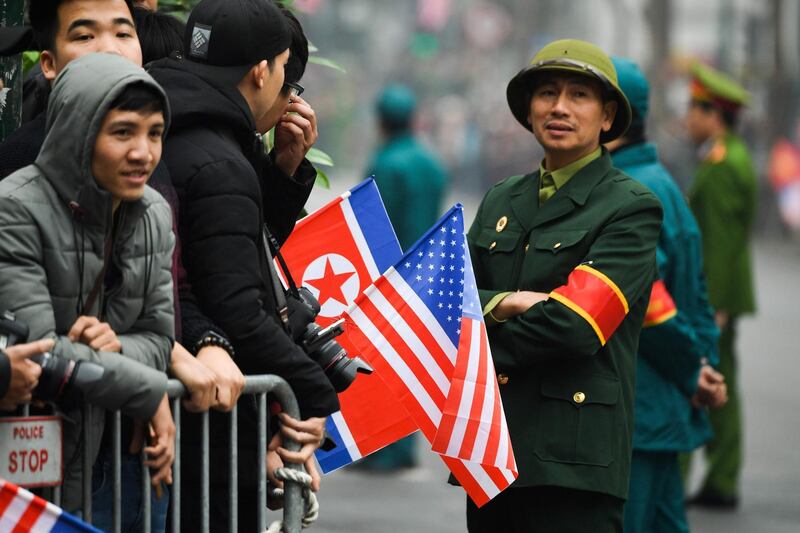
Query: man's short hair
[43, 17]
[139, 97]
[159, 33]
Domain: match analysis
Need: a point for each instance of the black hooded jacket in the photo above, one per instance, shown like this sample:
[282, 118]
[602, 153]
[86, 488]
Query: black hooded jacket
[226, 188]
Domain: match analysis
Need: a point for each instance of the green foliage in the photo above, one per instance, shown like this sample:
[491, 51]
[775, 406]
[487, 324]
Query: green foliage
[29, 60]
[318, 157]
[325, 62]
[322, 179]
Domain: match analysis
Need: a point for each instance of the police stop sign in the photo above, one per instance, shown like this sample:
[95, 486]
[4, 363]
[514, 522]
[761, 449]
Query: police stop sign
[30, 451]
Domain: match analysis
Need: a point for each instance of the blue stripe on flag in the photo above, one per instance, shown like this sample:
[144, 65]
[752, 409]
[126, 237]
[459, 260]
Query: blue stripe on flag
[69, 524]
[337, 457]
[374, 222]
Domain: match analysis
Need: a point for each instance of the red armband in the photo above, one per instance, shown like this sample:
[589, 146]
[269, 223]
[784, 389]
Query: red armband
[661, 307]
[596, 298]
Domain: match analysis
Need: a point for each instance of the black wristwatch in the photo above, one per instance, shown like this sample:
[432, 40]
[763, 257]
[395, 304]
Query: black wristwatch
[212, 338]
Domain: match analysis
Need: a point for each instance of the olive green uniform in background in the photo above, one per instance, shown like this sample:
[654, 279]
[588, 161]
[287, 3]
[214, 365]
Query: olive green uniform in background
[723, 199]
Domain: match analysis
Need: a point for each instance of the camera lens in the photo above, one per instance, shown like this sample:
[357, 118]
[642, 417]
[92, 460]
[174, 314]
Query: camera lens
[55, 377]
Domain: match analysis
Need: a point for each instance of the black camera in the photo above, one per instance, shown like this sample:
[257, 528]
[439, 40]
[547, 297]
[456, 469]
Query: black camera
[62, 380]
[319, 343]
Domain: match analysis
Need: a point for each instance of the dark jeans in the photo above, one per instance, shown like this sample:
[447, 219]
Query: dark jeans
[132, 508]
[546, 510]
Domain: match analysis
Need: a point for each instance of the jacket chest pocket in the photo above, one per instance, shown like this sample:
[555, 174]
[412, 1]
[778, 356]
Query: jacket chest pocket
[551, 256]
[578, 420]
[499, 254]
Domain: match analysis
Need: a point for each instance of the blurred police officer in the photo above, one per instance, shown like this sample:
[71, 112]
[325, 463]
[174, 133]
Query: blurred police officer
[723, 199]
[564, 260]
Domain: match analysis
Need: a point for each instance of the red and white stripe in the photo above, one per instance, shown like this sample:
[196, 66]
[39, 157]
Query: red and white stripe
[22, 512]
[450, 392]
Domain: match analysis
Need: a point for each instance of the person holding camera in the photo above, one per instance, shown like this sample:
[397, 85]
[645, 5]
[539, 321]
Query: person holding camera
[18, 374]
[66, 30]
[231, 86]
[85, 252]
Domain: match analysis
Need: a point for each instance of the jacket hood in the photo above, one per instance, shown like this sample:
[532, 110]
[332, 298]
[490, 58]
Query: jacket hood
[631, 155]
[198, 101]
[81, 97]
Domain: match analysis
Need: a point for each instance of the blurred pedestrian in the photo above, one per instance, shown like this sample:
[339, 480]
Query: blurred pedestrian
[565, 258]
[723, 198]
[410, 177]
[412, 181]
[674, 377]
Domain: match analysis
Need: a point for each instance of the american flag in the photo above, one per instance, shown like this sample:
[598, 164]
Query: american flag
[421, 326]
[23, 512]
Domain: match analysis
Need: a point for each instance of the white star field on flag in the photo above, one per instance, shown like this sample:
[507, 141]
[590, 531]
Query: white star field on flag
[444, 253]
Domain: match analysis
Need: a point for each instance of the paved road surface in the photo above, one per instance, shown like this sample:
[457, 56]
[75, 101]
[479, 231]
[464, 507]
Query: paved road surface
[419, 500]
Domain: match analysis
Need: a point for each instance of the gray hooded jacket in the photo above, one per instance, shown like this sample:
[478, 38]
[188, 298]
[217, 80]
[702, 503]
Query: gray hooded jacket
[55, 222]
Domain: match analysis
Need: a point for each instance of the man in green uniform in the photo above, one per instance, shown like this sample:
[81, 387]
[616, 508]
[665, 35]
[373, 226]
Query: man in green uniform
[564, 259]
[723, 198]
[674, 379]
[411, 181]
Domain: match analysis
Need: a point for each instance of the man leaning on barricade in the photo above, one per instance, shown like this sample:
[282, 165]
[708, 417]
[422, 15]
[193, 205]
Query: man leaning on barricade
[226, 89]
[85, 252]
[66, 30]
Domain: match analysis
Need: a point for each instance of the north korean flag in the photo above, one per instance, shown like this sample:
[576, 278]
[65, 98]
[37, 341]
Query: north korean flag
[337, 252]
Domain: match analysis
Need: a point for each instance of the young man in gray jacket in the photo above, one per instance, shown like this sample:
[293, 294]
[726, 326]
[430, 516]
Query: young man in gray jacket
[85, 255]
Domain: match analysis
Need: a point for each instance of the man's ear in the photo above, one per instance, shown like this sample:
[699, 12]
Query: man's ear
[609, 112]
[260, 73]
[47, 60]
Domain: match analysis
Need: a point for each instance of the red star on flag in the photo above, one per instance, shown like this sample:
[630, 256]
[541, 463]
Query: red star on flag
[330, 284]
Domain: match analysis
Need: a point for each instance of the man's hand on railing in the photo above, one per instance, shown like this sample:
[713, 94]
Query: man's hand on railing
[161, 452]
[230, 380]
[24, 373]
[199, 380]
[274, 462]
[97, 335]
[310, 434]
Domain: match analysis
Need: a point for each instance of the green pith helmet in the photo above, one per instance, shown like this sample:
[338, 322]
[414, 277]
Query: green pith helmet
[573, 56]
[717, 85]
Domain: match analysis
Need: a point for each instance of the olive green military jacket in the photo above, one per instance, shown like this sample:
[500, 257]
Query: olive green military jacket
[723, 198]
[567, 366]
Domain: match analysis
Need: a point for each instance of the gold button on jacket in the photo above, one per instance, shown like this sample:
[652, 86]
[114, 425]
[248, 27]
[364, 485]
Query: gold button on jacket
[579, 397]
[502, 379]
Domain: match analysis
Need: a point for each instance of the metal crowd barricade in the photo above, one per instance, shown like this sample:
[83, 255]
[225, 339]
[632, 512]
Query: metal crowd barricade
[293, 503]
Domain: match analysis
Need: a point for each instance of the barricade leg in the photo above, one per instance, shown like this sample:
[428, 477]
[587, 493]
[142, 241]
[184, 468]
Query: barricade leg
[116, 463]
[204, 478]
[262, 462]
[176, 468]
[87, 463]
[233, 466]
[146, 500]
